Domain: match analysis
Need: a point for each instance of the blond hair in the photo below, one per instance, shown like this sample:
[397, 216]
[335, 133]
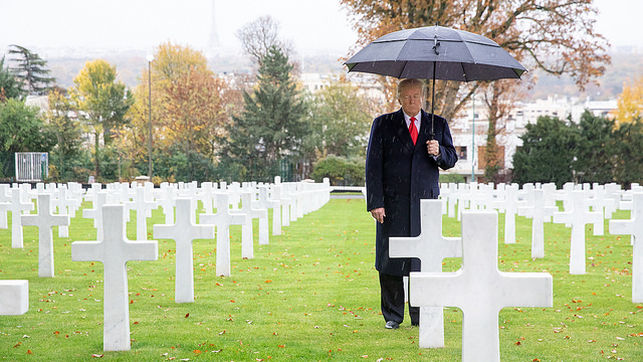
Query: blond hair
[409, 83]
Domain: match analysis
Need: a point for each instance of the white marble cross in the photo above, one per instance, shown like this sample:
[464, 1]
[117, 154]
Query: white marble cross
[183, 232]
[44, 220]
[577, 217]
[511, 206]
[167, 201]
[634, 227]
[247, 243]
[222, 221]
[261, 213]
[97, 212]
[4, 208]
[142, 207]
[114, 251]
[5, 203]
[538, 212]
[17, 208]
[430, 247]
[14, 297]
[275, 205]
[479, 289]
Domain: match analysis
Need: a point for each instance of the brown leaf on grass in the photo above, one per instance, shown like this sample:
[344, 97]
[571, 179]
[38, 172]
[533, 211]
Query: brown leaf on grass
[187, 315]
[17, 345]
[197, 351]
[29, 351]
[518, 343]
[281, 345]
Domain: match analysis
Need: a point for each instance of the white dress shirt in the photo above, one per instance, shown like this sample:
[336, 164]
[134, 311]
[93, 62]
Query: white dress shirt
[418, 119]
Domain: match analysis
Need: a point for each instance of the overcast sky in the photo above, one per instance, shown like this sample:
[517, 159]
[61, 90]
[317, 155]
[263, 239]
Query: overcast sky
[311, 25]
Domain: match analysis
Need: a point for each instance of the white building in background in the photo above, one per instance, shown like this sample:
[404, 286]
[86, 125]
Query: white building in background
[367, 84]
[470, 145]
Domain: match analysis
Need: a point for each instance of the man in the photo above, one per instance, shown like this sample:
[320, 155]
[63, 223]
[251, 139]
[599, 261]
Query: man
[402, 163]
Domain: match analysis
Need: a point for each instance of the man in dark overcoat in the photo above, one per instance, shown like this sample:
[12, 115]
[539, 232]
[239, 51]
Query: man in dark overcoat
[402, 163]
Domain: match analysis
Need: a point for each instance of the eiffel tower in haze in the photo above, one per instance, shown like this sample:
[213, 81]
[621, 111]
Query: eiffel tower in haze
[214, 45]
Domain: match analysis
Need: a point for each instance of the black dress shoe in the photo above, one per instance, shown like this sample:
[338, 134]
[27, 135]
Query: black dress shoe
[392, 325]
[415, 324]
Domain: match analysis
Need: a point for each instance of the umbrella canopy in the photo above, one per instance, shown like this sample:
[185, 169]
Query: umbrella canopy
[452, 54]
[436, 52]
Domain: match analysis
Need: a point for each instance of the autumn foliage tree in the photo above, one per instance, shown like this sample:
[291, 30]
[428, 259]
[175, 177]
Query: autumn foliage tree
[102, 102]
[189, 110]
[556, 36]
[630, 102]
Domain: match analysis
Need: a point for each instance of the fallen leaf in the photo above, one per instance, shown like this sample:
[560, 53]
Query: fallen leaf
[187, 315]
[29, 351]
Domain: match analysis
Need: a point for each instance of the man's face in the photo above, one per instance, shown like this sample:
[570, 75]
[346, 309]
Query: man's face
[411, 100]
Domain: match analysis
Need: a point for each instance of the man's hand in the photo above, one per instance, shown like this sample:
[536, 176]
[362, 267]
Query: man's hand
[433, 147]
[378, 214]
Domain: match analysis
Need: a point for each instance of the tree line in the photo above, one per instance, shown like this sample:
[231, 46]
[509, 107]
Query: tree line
[203, 126]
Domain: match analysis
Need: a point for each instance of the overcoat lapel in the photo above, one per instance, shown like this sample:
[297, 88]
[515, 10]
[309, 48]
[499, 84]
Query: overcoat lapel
[403, 132]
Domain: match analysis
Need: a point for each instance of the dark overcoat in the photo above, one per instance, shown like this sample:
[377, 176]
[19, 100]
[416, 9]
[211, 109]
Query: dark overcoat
[398, 175]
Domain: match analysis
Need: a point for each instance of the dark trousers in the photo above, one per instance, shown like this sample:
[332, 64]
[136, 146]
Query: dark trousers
[392, 295]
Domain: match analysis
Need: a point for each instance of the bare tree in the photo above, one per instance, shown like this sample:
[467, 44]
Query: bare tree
[259, 35]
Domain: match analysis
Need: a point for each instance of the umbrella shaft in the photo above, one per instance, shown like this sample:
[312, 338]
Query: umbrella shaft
[433, 101]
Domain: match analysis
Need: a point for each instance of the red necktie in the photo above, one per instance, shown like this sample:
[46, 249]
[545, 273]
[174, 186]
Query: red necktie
[413, 130]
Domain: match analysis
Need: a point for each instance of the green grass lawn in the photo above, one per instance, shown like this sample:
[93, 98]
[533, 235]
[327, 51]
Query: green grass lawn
[311, 294]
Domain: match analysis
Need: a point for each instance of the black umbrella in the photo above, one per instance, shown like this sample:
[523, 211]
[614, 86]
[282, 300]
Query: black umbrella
[436, 52]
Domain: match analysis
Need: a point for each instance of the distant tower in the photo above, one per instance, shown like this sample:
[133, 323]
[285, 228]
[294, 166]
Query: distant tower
[213, 41]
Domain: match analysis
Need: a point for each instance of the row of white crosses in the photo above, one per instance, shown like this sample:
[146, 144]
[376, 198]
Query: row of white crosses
[114, 250]
[479, 289]
[538, 202]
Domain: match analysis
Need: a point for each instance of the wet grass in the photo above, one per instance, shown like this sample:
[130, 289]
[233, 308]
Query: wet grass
[311, 294]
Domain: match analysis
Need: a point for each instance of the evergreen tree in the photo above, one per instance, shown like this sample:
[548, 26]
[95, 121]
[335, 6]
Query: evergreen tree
[593, 162]
[625, 152]
[30, 70]
[9, 88]
[271, 127]
[547, 152]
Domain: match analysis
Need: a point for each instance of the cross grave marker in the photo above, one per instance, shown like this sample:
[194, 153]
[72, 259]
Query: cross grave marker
[479, 289]
[183, 232]
[634, 227]
[45, 220]
[114, 251]
[431, 248]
